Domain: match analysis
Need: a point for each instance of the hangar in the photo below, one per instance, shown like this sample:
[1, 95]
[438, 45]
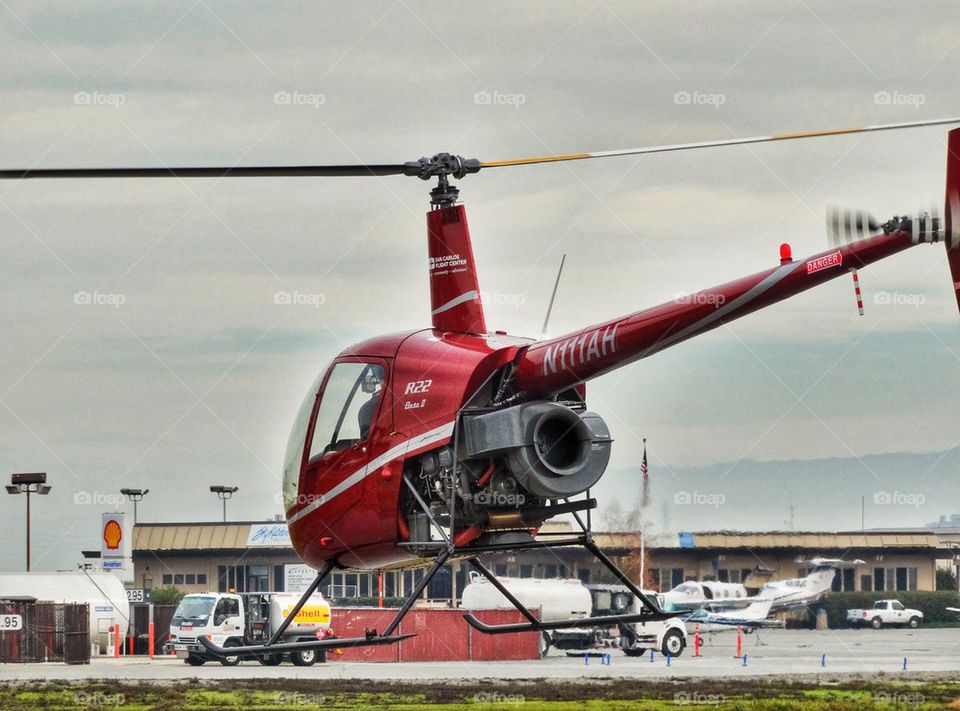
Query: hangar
[257, 555]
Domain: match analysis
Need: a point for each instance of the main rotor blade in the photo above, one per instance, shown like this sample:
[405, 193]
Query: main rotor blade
[255, 171]
[714, 144]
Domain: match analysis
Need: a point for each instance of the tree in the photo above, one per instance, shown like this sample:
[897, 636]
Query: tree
[167, 595]
[946, 579]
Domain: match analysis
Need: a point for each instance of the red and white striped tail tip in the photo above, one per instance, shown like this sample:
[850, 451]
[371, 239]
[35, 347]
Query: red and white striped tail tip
[856, 289]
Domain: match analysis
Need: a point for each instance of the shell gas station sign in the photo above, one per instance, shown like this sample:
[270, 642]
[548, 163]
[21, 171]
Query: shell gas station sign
[112, 534]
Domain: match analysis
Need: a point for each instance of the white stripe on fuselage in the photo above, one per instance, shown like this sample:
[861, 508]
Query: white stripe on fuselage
[427, 438]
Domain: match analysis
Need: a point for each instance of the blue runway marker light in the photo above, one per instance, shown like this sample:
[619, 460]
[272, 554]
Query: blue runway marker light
[904, 663]
[823, 660]
[651, 655]
[668, 660]
[744, 659]
[586, 657]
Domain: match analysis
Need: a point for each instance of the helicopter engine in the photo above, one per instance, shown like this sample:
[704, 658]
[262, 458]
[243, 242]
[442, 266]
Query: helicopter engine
[551, 451]
[510, 464]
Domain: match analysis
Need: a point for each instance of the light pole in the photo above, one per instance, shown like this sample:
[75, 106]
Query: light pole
[28, 483]
[136, 496]
[224, 493]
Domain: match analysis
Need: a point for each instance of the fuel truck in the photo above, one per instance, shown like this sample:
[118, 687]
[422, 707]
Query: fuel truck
[236, 620]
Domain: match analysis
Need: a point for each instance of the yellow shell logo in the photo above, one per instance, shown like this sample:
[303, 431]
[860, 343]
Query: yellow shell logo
[112, 535]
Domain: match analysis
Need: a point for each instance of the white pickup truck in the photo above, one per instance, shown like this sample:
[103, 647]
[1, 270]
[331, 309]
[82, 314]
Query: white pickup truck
[885, 612]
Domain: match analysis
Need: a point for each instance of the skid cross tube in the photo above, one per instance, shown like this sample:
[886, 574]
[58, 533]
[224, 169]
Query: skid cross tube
[321, 574]
[651, 611]
[621, 576]
[370, 639]
[418, 590]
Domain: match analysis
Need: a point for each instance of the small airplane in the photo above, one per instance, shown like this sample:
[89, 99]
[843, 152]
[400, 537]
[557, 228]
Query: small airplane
[788, 594]
[753, 616]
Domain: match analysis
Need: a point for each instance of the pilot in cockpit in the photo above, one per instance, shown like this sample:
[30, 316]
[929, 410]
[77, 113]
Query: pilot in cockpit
[371, 383]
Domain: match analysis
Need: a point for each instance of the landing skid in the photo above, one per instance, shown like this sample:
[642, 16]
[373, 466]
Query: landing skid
[649, 611]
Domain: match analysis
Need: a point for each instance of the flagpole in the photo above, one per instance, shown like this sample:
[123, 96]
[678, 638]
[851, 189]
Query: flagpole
[643, 505]
[642, 558]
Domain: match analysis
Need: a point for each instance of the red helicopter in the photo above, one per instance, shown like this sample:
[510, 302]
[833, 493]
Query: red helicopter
[452, 441]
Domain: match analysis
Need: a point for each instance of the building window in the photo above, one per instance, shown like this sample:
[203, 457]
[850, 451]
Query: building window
[201, 578]
[191, 579]
[725, 575]
[167, 579]
[501, 569]
[878, 579]
[526, 571]
[178, 579]
[676, 577]
[584, 575]
[866, 583]
[550, 571]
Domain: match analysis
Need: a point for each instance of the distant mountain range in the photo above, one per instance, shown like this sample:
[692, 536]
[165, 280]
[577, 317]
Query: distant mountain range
[897, 490]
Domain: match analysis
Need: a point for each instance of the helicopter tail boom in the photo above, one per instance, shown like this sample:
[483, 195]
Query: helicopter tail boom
[553, 365]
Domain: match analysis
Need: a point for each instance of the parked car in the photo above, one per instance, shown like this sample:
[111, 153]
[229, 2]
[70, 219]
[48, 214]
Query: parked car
[885, 612]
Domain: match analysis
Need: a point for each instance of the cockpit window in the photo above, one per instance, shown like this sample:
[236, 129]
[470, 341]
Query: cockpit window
[294, 455]
[346, 411]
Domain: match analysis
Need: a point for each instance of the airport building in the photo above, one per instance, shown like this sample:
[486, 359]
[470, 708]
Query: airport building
[257, 555]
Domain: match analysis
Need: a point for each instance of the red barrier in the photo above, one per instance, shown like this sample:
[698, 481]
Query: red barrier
[441, 635]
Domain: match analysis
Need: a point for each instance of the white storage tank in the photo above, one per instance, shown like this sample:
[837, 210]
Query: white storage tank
[557, 599]
[103, 592]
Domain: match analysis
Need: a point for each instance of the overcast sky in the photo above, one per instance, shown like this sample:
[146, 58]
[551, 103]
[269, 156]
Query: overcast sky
[183, 371]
